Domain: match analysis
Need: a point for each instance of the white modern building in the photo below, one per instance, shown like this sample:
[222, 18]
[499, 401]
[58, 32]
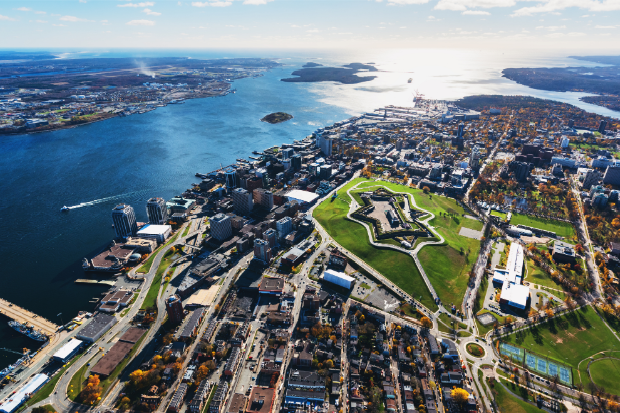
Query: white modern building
[303, 197]
[124, 220]
[66, 352]
[339, 278]
[567, 162]
[12, 402]
[284, 227]
[514, 293]
[221, 227]
[157, 232]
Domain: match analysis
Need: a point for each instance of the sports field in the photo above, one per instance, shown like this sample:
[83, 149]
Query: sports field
[563, 229]
[605, 373]
[394, 265]
[508, 403]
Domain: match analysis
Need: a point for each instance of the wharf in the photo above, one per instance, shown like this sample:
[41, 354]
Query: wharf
[21, 315]
[89, 281]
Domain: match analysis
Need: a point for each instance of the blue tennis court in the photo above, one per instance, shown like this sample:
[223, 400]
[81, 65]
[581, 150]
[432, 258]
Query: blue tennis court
[513, 352]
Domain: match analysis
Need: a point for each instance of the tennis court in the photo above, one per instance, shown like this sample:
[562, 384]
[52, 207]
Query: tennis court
[515, 353]
[548, 368]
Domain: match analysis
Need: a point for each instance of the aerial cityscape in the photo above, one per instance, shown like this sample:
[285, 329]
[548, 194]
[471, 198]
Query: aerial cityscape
[253, 207]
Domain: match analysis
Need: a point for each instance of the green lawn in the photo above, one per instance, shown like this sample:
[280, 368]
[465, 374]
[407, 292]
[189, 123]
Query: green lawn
[146, 267]
[508, 403]
[151, 296]
[446, 266]
[605, 374]
[537, 276]
[394, 265]
[569, 338]
[502, 215]
[563, 229]
[77, 381]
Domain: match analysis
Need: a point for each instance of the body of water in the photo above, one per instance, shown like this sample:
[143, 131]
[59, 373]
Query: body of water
[131, 159]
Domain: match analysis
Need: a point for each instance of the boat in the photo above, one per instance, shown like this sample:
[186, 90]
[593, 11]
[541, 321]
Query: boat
[65, 209]
[410, 79]
[28, 331]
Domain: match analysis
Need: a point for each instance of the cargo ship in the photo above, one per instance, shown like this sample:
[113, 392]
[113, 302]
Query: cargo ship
[28, 331]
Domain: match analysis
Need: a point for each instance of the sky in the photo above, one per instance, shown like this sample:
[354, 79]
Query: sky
[555, 25]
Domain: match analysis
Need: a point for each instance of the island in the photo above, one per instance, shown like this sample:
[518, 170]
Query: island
[277, 117]
[603, 81]
[314, 72]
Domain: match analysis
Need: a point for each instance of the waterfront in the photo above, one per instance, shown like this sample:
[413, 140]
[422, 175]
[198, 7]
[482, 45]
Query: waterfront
[157, 154]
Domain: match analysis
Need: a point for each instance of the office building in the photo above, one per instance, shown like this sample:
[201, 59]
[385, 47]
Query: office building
[156, 211]
[221, 227]
[270, 236]
[174, 308]
[296, 162]
[612, 175]
[565, 162]
[284, 227]
[565, 142]
[66, 352]
[231, 179]
[262, 251]
[325, 172]
[514, 293]
[242, 202]
[124, 220]
[287, 153]
[264, 198]
[592, 177]
[602, 126]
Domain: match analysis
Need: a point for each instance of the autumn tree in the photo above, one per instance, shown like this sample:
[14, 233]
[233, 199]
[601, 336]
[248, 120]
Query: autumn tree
[459, 395]
[426, 322]
[125, 403]
[92, 391]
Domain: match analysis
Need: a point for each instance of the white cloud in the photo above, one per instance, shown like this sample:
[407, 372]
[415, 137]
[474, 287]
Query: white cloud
[598, 26]
[550, 28]
[142, 4]
[256, 2]
[41, 21]
[431, 18]
[405, 2]
[23, 9]
[550, 6]
[576, 34]
[73, 19]
[212, 3]
[59, 25]
[40, 12]
[140, 23]
[586, 15]
[82, 1]
[151, 12]
[462, 5]
[476, 13]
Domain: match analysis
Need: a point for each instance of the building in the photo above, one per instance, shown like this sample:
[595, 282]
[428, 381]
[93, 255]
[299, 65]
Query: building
[231, 178]
[190, 327]
[242, 202]
[565, 162]
[262, 250]
[177, 398]
[284, 227]
[174, 308]
[238, 403]
[302, 197]
[261, 400]
[564, 253]
[264, 198]
[115, 355]
[180, 205]
[115, 300]
[219, 398]
[124, 220]
[612, 175]
[271, 236]
[513, 292]
[12, 403]
[200, 397]
[339, 278]
[602, 126]
[296, 162]
[157, 211]
[326, 144]
[66, 352]
[221, 227]
[97, 327]
[157, 232]
[591, 178]
[271, 286]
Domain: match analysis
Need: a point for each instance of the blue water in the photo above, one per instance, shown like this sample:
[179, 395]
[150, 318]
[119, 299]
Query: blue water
[157, 154]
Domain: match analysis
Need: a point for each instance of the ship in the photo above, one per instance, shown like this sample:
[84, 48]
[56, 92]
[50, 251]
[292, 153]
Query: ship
[65, 209]
[28, 331]
[410, 79]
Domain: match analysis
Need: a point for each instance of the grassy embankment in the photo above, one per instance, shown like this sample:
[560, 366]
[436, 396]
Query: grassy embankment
[563, 229]
[394, 265]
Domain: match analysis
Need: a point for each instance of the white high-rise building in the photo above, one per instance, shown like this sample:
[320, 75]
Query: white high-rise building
[284, 227]
[156, 211]
[221, 227]
[242, 201]
[124, 219]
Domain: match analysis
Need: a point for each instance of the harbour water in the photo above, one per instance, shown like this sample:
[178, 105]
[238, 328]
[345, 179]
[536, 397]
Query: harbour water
[130, 159]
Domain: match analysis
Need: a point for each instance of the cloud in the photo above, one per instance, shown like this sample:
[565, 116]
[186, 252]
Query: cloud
[550, 28]
[73, 19]
[462, 5]
[550, 6]
[23, 9]
[151, 12]
[431, 18]
[59, 25]
[405, 2]
[142, 4]
[41, 21]
[140, 23]
[212, 3]
[576, 34]
[476, 13]
[598, 26]
[256, 2]
[82, 1]
[40, 12]
[312, 31]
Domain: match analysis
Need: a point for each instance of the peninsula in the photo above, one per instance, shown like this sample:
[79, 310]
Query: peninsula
[277, 117]
[347, 74]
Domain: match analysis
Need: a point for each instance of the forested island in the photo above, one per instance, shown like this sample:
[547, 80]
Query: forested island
[602, 81]
[277, 117]
[314, 72]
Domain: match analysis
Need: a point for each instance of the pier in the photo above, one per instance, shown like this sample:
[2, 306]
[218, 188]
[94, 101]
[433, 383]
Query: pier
[22, 315]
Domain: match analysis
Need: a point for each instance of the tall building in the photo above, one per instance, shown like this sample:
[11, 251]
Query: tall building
[264, 198]
[156, 211]
[602, 126]
[287, 153]
[242, 201]
[231, 179]
[270, 236]
[296, 162]
[262, 250]
[612, 175]
[474, 159]
[592, 177]
[326, 145]
[174, 308]
[221, 227]
[124, 220]
[284, 227]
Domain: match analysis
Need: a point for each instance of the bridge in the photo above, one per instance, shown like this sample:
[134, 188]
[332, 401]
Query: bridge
[21, 315]
[191, 246]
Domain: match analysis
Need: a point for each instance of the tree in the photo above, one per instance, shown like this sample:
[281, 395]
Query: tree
[136, 377]
[202, 372]
[125, 403]
[459, 395]
[92, 391]
[426, 189]
[426, 322]
[329, 364]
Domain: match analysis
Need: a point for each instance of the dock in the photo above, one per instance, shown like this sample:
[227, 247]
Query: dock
[21, 315]
[89, 281]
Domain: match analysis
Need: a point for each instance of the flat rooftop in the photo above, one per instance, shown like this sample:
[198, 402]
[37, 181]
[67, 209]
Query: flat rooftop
[132, 335]
[106, 365]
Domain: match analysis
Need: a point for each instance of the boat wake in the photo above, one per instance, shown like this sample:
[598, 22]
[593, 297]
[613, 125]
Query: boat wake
[98, 201]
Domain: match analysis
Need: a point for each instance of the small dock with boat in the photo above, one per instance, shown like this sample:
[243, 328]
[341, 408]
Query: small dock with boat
[23, 316]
